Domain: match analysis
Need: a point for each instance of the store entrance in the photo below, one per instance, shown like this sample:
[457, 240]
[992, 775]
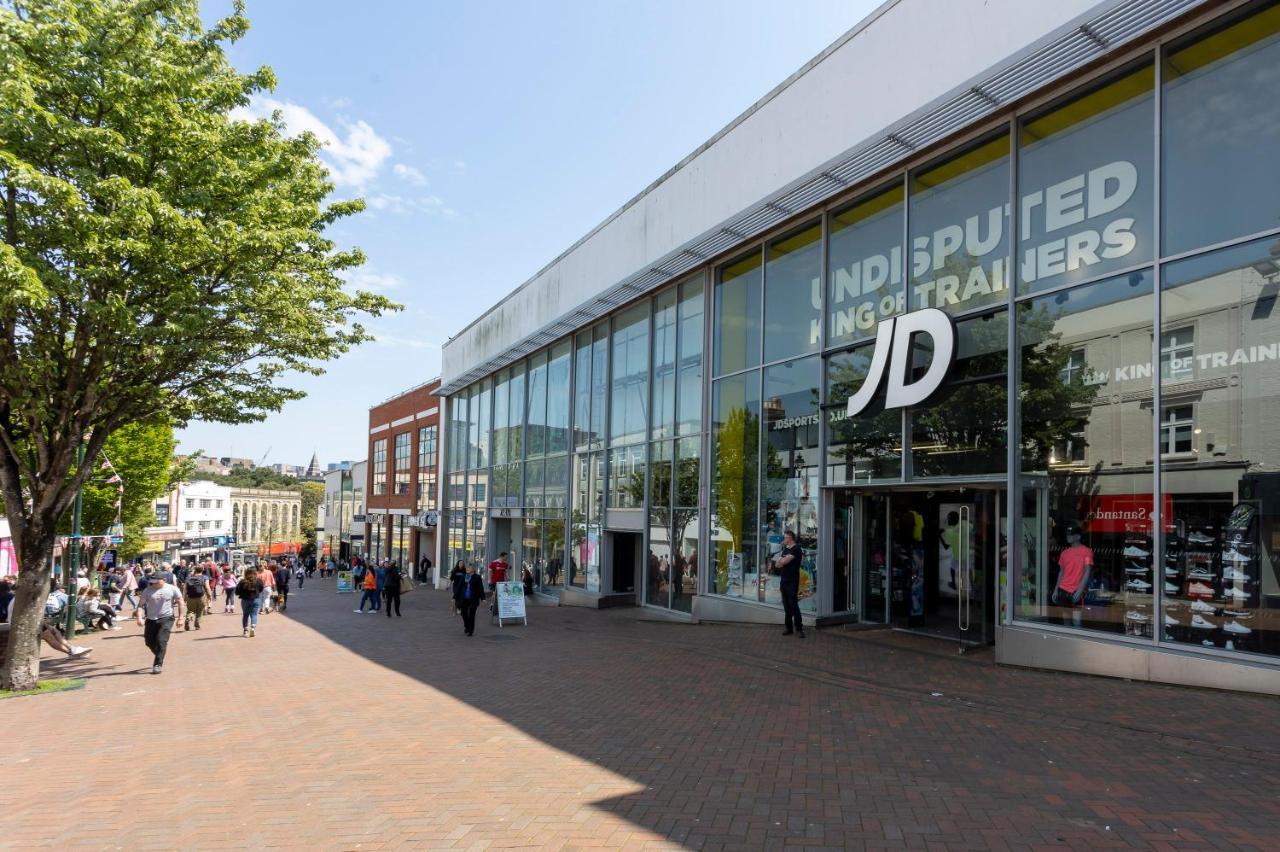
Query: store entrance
[921, 560]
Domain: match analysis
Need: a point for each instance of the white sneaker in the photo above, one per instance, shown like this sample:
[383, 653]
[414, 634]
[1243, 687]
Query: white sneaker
[1200, 589]
[1138, 586]
[1200, 606]
[1134, 615]
[1237, 628]
[1170, 621]
[79, 651]
[1135, 569]
[1170, 572]
[1199, 574]
[1199, 538]
[1198, 622]
[1234, 574]
[1132, 552]
[359, 611]
[1170, 588]
[1234, 555]
[1239, 594]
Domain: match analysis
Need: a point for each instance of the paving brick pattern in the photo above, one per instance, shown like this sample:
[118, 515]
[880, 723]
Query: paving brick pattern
[331, 730]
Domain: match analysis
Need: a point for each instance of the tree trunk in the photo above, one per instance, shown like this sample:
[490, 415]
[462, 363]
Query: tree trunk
[22, 655]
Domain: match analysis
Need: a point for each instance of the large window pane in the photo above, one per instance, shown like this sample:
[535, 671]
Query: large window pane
[686, 514]
[584, 562]
[1085, 405]
[737, 321]
[535, 434]
[664, 364]
[599, 381]
[1085, 177]
[1221, 124]
[864, 257]
[1220, 437]
[556, 482]
[961, 429]
[582, 390]
[515, 414]
[501, 417]
[791, 468]
[658, 567]
[867, 447]
[626, 477]
[959, 242]
[629, 403]
[689, 377]
[457, 449]
[793, 295]
[480, 424]
[558, 398]
[735, 485]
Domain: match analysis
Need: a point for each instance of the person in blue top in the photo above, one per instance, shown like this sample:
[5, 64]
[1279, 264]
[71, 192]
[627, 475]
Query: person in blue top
[468, 592]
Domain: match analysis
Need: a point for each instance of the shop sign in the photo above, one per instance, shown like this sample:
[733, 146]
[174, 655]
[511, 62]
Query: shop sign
[346, 582]
[1126, 513]
[898, 334]
[1085, 223]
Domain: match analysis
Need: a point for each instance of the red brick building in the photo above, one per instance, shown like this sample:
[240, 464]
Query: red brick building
[402, 487]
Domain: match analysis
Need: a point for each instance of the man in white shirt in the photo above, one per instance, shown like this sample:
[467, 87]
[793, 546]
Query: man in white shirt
[161, 603]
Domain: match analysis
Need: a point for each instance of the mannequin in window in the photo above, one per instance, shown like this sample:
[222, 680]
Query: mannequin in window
[1075, 565]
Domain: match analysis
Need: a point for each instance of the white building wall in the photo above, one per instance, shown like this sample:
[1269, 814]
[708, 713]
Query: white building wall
[192, 511]
[905, 55]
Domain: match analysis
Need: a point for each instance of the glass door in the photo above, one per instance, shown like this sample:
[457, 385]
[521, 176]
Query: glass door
[873, 544]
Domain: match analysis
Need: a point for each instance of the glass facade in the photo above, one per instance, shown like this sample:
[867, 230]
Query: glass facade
[1109, 261]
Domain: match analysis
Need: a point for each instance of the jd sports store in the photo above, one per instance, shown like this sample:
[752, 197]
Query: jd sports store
[1016, 387]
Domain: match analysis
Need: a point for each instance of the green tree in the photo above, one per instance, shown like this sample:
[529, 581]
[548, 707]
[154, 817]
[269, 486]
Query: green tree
[312, 497]
[736, 447]
[258, 477]
[155, 255]
[141, 454]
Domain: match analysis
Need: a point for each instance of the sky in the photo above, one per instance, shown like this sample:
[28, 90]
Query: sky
[486, 138]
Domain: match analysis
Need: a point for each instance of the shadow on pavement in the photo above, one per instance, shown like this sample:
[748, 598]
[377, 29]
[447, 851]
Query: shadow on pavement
[741, 738]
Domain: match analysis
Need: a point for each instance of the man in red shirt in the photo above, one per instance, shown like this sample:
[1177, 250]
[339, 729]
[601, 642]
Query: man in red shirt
[497, 574]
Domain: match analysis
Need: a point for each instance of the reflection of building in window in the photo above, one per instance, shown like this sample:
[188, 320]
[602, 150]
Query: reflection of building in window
[1176, 429]
[1069, 450]
[1075, 366]
[478, 493]
[1177, 349]
[402, 463]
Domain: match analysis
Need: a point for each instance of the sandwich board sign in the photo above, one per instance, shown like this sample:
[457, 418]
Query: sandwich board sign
[511, 601]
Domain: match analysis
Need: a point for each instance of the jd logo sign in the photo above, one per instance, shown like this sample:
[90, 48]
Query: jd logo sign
[899, 335]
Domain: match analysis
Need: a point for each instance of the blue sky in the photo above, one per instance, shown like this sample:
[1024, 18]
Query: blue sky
[488, 137]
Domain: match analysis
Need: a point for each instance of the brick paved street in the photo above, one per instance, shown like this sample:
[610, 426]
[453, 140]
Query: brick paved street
[336, 730]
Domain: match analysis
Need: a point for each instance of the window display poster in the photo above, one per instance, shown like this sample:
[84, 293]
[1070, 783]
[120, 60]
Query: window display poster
[953, 529]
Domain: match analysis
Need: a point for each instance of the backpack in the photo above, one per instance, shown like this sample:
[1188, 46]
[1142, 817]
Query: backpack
[195, 586]
[54, 606]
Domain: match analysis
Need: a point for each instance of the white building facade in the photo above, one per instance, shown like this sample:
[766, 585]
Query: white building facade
[978, 305]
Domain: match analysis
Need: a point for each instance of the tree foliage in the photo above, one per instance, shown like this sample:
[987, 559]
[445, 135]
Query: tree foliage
[156, 255]
[257, 477]
[312, 497]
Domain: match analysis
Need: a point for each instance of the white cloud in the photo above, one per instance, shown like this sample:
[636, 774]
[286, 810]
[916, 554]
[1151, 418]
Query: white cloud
[409, 174]
[427, 205]
[354, 159]
[399, 340]
[369, 278]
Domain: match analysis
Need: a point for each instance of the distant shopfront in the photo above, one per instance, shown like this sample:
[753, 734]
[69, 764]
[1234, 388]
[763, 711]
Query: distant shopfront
[1094, 482]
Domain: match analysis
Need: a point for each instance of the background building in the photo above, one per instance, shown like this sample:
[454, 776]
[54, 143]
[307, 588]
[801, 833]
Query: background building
[266, 520]
[1084, 189]
[402, 484]
[192, 520]
[344, 489]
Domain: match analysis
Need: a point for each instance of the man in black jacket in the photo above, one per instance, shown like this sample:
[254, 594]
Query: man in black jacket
[468, 592]
[787, 564]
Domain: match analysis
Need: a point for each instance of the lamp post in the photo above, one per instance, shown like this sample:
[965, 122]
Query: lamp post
[69, 576]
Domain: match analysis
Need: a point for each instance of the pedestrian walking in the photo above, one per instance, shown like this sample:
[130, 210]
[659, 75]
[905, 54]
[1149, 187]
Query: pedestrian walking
[787, 565]
[249, 590]
[129, 588]
[455, 582]
[300, 574]
[268, 577]
[198, 593]
[159, 605]
[369, 585]
[228, 590]
[391, 588]
[282, 587]
[467, 595]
